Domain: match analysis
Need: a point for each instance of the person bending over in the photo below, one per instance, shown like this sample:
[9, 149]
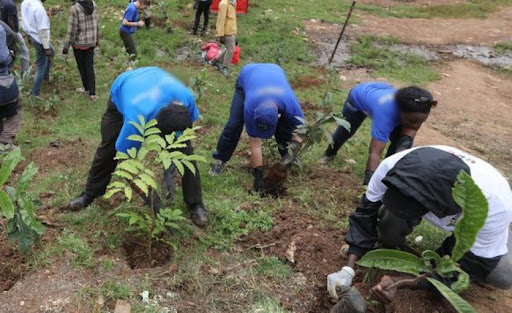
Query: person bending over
[397, 115]
[152, 93]
[265, 102]
[417, 184]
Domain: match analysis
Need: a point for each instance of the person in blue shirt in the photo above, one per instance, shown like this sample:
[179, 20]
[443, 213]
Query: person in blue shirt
[129, 25]
[396, 117]
[265, 103]
[154, 94]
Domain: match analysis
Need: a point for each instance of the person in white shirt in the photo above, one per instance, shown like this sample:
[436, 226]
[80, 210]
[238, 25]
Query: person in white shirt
[36, 24]
[417, 183]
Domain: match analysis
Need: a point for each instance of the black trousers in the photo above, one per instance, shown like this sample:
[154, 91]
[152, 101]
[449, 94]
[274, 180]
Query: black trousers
[103, 164]
[129, 43]
[203, 8]
[85, 62]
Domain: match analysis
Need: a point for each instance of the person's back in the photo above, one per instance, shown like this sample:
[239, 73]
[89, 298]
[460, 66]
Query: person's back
[34, 19]
[145, 91]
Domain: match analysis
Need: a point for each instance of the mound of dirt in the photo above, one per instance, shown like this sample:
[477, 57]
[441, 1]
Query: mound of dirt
[60, 156]
[137, 253]
[12, 265]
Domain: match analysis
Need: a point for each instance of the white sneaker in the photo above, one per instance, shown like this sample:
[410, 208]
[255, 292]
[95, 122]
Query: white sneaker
[326, 159]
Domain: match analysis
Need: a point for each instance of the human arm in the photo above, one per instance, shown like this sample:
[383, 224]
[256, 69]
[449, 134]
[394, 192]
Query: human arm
[133, 24]
[256, 152]
[72, 32]
[374, 157]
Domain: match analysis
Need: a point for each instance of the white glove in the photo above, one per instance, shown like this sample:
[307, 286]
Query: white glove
[341, 278]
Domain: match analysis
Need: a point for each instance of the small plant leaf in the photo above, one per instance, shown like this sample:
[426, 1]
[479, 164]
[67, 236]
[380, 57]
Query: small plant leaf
[121, 156]
[132, 152]
[151, 123]
[9, 164]
[26, 177]
[474, 213]
[179, 166]
[128, 192]
[135, 138]
[462, 283]
[455, 300]
[431, 255]
[141, 185]
[152, 131]
[123, 174]
[394, 260]
[138, 127]
[6, 205]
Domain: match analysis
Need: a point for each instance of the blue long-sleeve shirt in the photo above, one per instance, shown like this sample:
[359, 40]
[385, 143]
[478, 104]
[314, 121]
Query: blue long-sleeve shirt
[5, 55]
[145, 91]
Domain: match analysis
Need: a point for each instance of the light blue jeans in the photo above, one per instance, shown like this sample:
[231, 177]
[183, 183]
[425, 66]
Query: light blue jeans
[23, 54]
[43, 65]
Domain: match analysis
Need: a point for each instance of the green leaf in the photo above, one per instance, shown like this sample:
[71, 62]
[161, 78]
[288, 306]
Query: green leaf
[462, 283]
[116, 184]
[17, 230]
[6, 205]
[149, 180]
[141, 155]
[135, 138]
[151, 123]
[26, 177]
[111, 192]
[179, 166]
[9, 164]
[446, 268]
[132, 152]
[121, 156]
[190, 166]
[128, 166]
[343, 123]
[139, 128]
[394, 260]
[455, 300]
[431, 255]
[142, 121]
[474, 213]
[195, 157]
[142, 185]
[128, 192]
[123, 174]
[152, 131]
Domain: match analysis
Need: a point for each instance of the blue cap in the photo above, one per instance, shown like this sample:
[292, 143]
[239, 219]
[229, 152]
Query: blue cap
[265, 120]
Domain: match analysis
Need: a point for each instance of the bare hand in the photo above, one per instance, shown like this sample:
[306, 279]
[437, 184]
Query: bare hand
[140, 23]
[381, 293]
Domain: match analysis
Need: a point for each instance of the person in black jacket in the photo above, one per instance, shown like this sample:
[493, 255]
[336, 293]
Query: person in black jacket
[415, 184]
[202, 8]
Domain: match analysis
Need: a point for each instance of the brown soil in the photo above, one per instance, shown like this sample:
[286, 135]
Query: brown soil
[274, 180]
[12, 265]
[474, 111]
[438, 31]
[315, 255]
[62, 156]
[138, 257]
[306, 82]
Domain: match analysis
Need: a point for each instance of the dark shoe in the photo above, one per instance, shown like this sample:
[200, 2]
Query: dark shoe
[224, 71]
[204, 32]
[193, 32]
[80, 202]
[198, 214]
[217, 167]
[326, 159]
[216, 64]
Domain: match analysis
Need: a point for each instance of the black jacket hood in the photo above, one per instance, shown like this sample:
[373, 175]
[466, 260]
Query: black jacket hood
[87, 6]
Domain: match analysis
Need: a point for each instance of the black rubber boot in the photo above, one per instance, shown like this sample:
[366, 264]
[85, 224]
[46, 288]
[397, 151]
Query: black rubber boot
[147, 22]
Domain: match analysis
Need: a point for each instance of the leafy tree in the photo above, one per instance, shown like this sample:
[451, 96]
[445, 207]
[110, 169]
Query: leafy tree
[16, 206]
[474, 213]
[133, 173]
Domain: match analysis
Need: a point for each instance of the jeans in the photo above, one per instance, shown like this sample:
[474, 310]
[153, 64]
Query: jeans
[103, 164]
[231, 134]
[203, 8]
[85, 62]
[43, 65]
[356, 118]
[10, 126]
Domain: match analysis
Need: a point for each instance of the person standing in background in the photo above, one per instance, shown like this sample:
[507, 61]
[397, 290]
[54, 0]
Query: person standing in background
[226, 31]
[83, 35]
[129, 25]
[36, 24]
[9, 15]
[202, 8]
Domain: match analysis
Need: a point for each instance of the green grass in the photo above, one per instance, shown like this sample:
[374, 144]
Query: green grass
[469, 9]
[503, 47]
[375, 53]
[79, 251]
[274, 268]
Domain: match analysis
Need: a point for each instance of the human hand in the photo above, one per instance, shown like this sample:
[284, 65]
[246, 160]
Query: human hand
[382, 293]
[140, 23]
[259, 181]
[338, 279]
[222, 39]
[367, 176]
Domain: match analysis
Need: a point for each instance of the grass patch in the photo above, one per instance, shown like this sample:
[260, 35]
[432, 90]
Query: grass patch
[267, 306]
[470, 9]
[80, 251]
[375, 53]
[503, 47]
[274, 268]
